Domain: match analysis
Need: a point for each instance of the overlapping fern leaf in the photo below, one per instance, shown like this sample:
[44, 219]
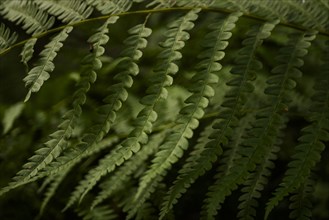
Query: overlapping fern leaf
[66, 11]
[124, 172]
[118, 93]
[146, 116]
[41, 72]
[214, 43]
[59, 139]
[110, 7]
[6, 38]
[301, 201]
[265, 132]
[34, 20]
[311, 143]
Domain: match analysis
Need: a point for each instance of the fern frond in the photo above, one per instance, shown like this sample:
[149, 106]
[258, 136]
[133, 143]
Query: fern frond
[269, 121]
[28, 50]
[161, 3]
[195, 3]
[254, 184]
[56, 145]
[56, 180]
[147, 212]
[40, 73]
[34, 20]
[182, 182]
[214, 44]
[123, 173]
[300, 201]
[66, 11]
[6, 38]
[311, 143]
[147, 116]
[309, 14]
[110, 7]
[234, 101]
[118, 91]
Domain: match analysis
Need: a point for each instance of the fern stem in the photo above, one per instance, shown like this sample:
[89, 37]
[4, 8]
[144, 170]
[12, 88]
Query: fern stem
[152, 11]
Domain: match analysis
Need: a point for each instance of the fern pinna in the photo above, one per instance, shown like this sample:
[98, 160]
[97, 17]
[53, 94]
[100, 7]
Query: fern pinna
[178, 108]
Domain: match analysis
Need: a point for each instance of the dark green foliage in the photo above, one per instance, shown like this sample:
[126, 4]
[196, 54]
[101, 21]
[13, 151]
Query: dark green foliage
[164, 109]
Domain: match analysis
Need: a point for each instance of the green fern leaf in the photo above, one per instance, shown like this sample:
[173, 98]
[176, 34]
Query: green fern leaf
[147, 116]
[182, 181]
[57, 144]
[34, 20]
[301, 203]
[188, 118]
[267, 126]
[309, 13]
[245, 69]
[311, 143]
[161, 4]
[118, 92]
[214, 43]
[6, 38]
[123, 173]
[67, 11]
[56, 181]
[28, 50]
[40, 73]
[111, 7]
[254, 184]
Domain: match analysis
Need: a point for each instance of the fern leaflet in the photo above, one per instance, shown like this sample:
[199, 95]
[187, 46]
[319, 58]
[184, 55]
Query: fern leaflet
[123, 173]
[6, 38]
[67, 11]
[301, 201]
[34, 20]
[214, 43]
[311, 143]
[40, 73]
[268, 123]
[119, 94]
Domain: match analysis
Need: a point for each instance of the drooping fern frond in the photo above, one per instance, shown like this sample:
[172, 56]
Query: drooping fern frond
[114, 101]
[214, 43]
[310, 14]
[40, 73]
[266, 128]
[34, 20]
[301, 204]
[161, 3]
[55, 181]
[110, 7]
[66, 11]
[6, 38]
[181, 182]
[122, 175]
[254, 184]
[27, 51]
[132, 144]
[311, 143]
[58, 141]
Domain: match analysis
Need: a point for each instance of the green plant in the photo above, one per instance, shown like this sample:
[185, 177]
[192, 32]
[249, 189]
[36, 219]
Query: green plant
[186, 115]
